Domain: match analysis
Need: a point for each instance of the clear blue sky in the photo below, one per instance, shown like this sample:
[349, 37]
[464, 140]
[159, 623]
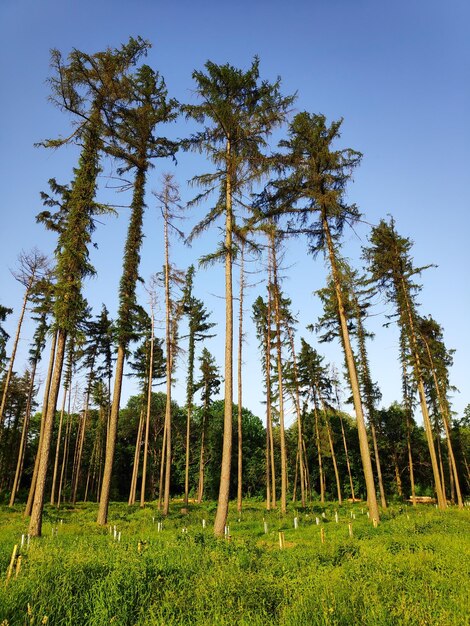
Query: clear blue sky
[398, 72]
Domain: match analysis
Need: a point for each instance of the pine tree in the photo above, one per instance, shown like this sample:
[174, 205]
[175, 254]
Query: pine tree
[86, 88]
[209, 383]
[392, 271]
[241, 111]
[312, 190]
[134, 142]
[33, 267]
[198, 329]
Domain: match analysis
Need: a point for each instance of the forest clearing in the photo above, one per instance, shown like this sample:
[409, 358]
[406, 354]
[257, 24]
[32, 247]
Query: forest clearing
[233, 358]
[413, 569]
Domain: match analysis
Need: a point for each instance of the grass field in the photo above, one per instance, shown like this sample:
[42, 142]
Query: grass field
[412, 569]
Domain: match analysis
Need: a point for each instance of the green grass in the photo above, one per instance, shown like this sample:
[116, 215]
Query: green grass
[413, 569]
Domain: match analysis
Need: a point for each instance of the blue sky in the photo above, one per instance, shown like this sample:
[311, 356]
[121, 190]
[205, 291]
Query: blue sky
[398, 73]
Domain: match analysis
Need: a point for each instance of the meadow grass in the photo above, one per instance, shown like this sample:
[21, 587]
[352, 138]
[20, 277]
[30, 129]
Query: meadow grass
[412, 569]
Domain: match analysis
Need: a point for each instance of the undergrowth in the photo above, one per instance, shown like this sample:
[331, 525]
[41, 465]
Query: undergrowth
[412, 569]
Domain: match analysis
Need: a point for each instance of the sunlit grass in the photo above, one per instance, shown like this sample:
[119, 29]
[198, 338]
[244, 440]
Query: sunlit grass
[412, 569]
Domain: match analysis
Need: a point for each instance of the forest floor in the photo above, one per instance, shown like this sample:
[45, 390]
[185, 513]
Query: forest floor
[335, 568]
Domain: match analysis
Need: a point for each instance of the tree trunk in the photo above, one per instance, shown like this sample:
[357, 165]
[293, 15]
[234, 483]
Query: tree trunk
[299, 418]
[397, 475]
[383, 501]
[345, 445]
[239, 380]
[320, 461]
[441, 501]
[269, 418]
[65, 453]
[135, 467]
[361, 426]
[333, 455]
[147, 420]
[24, 436]
[224, 487]
[57, 448]
[81, 441]
[47, 386]
[35, 524]
[454, 477]
[410, 461]
[282, 436]
[111, 439]
[9, 373]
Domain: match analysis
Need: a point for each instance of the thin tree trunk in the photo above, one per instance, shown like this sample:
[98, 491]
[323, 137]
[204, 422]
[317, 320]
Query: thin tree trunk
[345, 445]
[454, 477]
[135, 467]
[239, 379]
[147, 420]
[57, 448]
[111, 440]
[397, 476]
[162, 467]
[24, 436]
[441, 501]
[320, 461]
[269, 418]
[200, 487]
[383, 501]
[35, 524]
[65, 453]
[277, 318]
[361, 426]
[6, 384]
[410, 461]
[47, 386]
[78, 461]
[224, 487]
[299, 416]
[333, 455]
[169, 363]
[441, 464]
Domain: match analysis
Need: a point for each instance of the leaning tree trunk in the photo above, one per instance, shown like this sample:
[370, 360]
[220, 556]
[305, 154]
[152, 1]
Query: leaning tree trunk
[454, 477]
[135, 467]
[441, 501]
[320, 460]
[224, 487]
[9, 373]
[361, 425]
[35, 524]
[47, 387]
[24, 436]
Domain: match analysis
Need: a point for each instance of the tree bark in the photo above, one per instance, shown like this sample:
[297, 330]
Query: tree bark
[47, 387]
[24, 436]
[111, 440]
[361, 426]
[147, 420]
[239, 380]
[224, 487]
[9, 373]
[135, 467]
[35, 524]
